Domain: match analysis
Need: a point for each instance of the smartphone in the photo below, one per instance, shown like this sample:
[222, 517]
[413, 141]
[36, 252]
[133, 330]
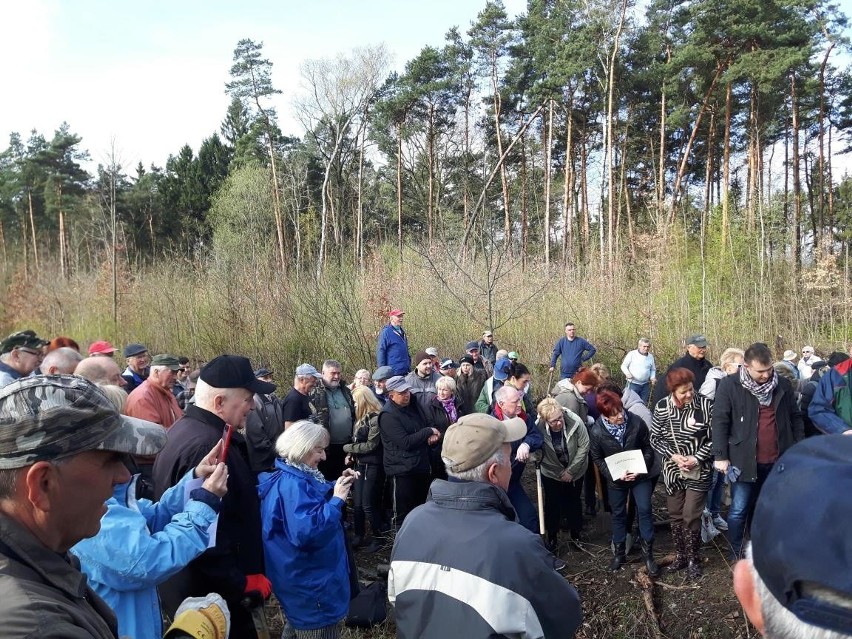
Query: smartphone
[226, 438]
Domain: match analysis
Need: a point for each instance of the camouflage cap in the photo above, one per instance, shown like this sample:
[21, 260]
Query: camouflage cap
[21, 339]
[48, 417]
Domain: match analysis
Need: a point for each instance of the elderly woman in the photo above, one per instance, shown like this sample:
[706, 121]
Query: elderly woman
[366, 451]
[303, 538]
[362, 378]
[443, 410]
[681, 434]
[617, 431]
[563, 463]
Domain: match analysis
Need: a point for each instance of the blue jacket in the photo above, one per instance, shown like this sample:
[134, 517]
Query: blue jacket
[141, 544]
[822, 409]
[573, 354]
[392, 350]
[302, 524]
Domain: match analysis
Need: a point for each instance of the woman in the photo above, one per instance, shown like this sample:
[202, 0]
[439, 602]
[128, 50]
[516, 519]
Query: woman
[444, 409]
[362, 378]
[366, 451]
[519, 379]
[564, 461]
[681, 434]
[303, 538]
[616, 431]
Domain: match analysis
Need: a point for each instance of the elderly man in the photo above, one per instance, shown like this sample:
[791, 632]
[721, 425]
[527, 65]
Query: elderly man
[102, 348]
[392, 348]
[573, 351]
[406, 439]
[755, 419]
[422, 380]
[448, 368]
[62, 443]
[794, 581]
[20, 354]
[640, 369]
[488, 348]
[234, 567]
[62, 361]
[136, 356]
[380, 377]
[101, 370]
[472, 350]
[461, 566]
[806, 362]
[153, 399]
[335, 410]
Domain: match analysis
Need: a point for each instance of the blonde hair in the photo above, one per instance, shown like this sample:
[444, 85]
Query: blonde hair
[601, 371]
[366, 402]
[446, 382]
[115, 395]
[729, 356]
[549, 408]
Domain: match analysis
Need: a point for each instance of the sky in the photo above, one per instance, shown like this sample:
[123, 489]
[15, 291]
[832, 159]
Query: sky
[149, 77]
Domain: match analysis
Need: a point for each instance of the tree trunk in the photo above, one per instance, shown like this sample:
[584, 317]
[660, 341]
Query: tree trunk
[547, 164]
[399, 190]
[608, 140]
[726, 168]
[567, 192]
[795, 228]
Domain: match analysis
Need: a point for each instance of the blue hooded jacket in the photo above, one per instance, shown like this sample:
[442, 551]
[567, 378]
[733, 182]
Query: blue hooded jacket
[302, 528]
[392, 350]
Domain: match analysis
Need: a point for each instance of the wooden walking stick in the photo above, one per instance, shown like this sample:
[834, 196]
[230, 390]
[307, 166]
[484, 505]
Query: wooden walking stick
[540, 491]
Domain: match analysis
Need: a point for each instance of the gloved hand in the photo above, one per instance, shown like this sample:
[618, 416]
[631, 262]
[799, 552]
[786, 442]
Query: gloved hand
[258, 583]
[201, 618]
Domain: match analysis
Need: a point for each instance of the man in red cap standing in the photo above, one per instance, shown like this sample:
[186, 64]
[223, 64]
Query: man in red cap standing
[392, 349]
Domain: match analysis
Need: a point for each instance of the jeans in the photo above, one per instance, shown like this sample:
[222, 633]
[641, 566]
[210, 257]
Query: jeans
[714, 496]
[527, 515]
[643, 390]
[367, 501]
[743, 497]
[641, 492]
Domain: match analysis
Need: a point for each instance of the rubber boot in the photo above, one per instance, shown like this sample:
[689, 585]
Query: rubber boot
[619, 557]
[680, 539]
[551, 541]
[648, 556]
[693, 554]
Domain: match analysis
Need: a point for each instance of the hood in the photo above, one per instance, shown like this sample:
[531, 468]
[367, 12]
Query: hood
[266, 481]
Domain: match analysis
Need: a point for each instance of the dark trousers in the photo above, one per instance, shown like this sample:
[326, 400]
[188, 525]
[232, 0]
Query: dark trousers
[409, 491]
[527, 515]
[641, 491]
[562, 499]
[335, 462]
[687, 506]
[368, 499]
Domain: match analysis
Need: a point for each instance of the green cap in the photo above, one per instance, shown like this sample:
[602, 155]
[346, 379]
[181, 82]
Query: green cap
[169, 361]
[21, 339]
[49, 417]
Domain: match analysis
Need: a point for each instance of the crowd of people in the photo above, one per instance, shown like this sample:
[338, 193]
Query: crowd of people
[219, 483]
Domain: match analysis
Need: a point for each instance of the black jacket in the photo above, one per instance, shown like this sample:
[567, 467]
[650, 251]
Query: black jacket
[404, 435]
[636, 436]
[263, 426]
[735, 414]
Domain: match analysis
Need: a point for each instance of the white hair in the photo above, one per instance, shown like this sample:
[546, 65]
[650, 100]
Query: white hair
[506, 392]
[643, 341]
[115, 394]
[478, 473]
[65, 359]
[205, 394]
[446, 382]
[297, 441]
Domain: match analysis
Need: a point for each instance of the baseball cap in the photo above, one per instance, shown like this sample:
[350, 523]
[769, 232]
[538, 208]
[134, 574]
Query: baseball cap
[132, 350]
[397, 383]
[234, 371]
[807, 349]
[305, 370]
[471, 346]
[48, 417]
[466, 359]
[432, 351]
[800, 530]
[488, 334]
[513, 355]
[397, 312]
[262, 372]
[501, 369]
[447, 364]
[789, 355]
[102, 347]
[382, 372]
[475, 437]
[698, 340]
[21, 339]
[169, 361]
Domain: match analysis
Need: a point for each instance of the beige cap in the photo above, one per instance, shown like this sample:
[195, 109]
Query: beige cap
[476, 437]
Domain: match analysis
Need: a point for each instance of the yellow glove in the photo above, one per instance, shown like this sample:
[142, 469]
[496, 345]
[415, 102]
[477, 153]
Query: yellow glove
[201, 618]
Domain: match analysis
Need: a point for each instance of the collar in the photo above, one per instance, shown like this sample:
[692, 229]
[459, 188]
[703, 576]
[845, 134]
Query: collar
[4, 367]
[471, 495]
[194, 412]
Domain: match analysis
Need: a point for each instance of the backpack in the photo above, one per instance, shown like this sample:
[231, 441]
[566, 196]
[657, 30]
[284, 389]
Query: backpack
[368, 607]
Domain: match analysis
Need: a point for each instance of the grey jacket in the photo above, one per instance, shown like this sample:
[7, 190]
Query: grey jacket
[576, 438]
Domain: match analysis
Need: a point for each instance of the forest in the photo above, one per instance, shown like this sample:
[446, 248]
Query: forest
[657, 171]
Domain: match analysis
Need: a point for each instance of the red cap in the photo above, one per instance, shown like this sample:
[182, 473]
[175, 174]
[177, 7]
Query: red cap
[101, 348]
[396, 312]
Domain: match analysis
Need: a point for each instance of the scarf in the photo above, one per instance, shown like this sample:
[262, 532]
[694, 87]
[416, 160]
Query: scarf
[763, 392]
[498, 413]
[313, 472]
[449, 405]
[616, 430]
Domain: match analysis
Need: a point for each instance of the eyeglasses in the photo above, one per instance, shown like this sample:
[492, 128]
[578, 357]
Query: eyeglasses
[29, 351]
[555, 422]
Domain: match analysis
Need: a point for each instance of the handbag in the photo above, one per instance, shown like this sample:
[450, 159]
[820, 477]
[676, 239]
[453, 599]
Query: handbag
[368, 607]
[693, 474]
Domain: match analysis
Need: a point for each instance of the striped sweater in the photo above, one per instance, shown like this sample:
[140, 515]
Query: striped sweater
[683, 431]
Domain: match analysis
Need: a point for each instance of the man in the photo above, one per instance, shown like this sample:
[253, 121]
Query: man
[20, 354]
[422, 380]
[335, 410]
[406, 439]
[62, 443]
[573, 350]
[755, 419]
[448, 368]
[184, 386]
[461, 566]
[794, 581]
[136, 356]
[101, 371]
[472, 349]
[640, 369]
[380, 377]
[432, 352]
[830, 409]
[487, 348]
[392, 348]
[234, 566]
[153, 399]
[264, 375]
[102, 348]
[806, 362]
[695, 359]
[62, 361]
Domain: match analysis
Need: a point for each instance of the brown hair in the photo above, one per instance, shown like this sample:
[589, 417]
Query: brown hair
[679, 377]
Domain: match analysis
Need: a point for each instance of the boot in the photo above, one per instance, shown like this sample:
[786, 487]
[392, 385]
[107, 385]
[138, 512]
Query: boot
[648, 556]
[679, 537]
[576, 540]
[551, 541]
[693, 554]
[619, 558]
